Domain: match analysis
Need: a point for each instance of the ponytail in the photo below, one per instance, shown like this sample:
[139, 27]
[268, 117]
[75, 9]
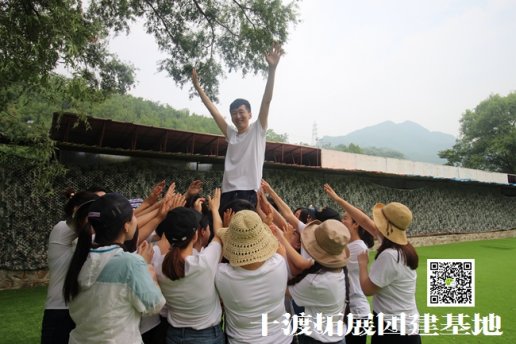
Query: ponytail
[173, 264]
[71, 283]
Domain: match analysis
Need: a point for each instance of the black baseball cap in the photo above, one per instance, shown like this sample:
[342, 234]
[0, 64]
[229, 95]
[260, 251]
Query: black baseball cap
[180, 224]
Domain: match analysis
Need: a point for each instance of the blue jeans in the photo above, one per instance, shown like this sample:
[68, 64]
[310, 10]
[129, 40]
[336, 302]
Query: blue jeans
[187, 335]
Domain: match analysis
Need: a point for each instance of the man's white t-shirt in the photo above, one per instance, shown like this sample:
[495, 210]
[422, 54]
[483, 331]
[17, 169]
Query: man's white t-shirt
[398, 288]
[358, 304]
[192, 301]
[249, 294]
[322, 293]
[243, 166]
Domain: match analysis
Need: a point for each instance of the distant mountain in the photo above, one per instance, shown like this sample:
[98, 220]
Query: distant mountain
[411, 139]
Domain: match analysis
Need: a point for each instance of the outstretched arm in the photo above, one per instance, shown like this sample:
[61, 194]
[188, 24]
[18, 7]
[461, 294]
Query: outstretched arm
[217, 116]
[272, 58]
[283, 207]
[355, 213]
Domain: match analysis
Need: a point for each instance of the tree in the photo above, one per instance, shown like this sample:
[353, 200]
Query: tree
[38, 36]
[487, 137]
[275, 137]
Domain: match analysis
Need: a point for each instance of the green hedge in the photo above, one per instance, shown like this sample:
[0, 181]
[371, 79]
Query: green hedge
[27, 215]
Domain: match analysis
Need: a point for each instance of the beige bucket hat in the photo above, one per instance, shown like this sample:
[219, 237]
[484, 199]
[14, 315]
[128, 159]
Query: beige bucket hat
[326, 242]
[393, 220]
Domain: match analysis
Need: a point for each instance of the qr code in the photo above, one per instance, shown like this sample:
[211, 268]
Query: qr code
[450, 283]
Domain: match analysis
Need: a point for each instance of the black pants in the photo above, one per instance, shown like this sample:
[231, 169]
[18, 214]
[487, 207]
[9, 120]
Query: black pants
[356, 339]
[157, 334]
[56, 326]
[247, 195]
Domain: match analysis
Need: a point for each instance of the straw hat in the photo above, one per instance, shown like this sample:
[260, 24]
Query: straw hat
[247, 240]
[392, 220]
[326, 242]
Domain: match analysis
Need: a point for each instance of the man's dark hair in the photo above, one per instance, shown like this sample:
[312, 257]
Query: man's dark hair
[238, 103]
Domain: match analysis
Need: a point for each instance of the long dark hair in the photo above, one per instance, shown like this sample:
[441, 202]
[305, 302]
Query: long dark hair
[80, 215]
[75, 199]
[314, 269]
[174, 264]
[406, 252]
[180, 226]
[106, 232]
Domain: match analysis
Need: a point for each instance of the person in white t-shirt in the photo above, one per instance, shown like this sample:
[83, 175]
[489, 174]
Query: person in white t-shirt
[187, 281]
[360, 241]
[243, 166]
[392, 277]
[57, 323]
[106, 288]
[321, 289]
[252, 286]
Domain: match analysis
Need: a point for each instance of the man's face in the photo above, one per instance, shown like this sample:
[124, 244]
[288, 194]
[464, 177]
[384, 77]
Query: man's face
[240, 118]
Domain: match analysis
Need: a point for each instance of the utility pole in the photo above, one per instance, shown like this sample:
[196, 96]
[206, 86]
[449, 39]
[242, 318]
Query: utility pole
[315, 139]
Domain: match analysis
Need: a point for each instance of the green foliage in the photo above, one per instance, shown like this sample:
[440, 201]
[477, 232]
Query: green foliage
[208, 35]
[383, 151]
[375, 151]
[275, 137]
[488, 136]
[38, 36]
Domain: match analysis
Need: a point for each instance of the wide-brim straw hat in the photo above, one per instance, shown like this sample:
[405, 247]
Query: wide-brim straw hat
[326, 242]
[247, 240]
[393, 220]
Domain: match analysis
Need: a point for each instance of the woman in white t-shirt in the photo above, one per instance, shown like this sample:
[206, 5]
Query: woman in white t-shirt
[57, 323]
[187, 281]
[392, 277]
[252, 286]
[360, 241]
[321, 289]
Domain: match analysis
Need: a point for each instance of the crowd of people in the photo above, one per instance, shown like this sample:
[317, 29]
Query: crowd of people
[238, 266]
[181, 268]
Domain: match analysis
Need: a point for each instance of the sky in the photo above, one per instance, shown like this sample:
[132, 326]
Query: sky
[351, 64]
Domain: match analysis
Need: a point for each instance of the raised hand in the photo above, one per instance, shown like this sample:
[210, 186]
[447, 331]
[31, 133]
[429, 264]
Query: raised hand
[214, 201]
[177, 200]
[171, 190]
[156, 192]
[198, 204]
[145, 250]
[265, 207]
[194, 188]
[272, 57]
[264, 185]
[330, 192]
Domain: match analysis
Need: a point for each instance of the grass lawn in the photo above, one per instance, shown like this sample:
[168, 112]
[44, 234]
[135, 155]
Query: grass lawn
[495, 284]
[21, 310]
